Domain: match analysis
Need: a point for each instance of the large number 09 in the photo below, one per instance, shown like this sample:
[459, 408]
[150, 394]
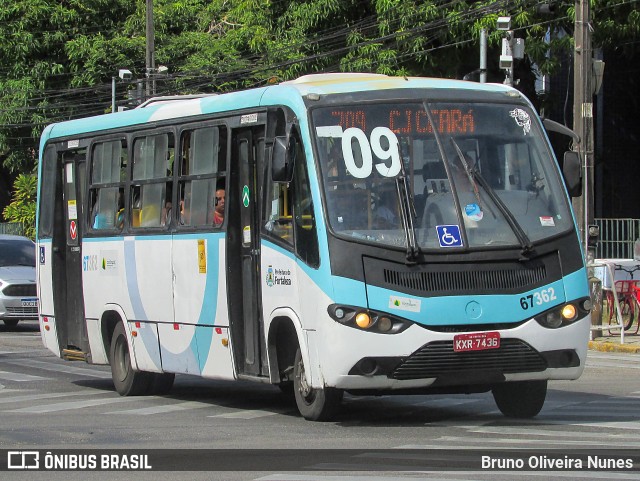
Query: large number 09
[367, 151]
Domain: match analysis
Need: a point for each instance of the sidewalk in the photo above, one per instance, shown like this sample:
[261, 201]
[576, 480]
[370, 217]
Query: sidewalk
[610, 342]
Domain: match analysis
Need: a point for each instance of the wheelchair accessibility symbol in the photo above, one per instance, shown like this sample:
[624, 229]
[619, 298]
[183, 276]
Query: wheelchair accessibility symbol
[449, 235]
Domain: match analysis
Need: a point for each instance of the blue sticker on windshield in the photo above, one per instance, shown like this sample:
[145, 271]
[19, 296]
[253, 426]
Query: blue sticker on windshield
[449, 235]
[473, 212]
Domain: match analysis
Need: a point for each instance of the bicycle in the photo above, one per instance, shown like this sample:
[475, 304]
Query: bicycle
[628, 293]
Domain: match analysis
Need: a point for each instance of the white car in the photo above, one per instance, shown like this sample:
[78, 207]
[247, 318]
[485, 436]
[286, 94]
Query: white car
[18, 295]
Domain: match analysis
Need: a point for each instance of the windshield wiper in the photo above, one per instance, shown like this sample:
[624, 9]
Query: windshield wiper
[473, 174]
[407, 212]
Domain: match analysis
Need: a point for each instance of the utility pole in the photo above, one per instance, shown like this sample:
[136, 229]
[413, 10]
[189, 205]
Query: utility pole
[583, 115]
[150, 60]
[483, 56]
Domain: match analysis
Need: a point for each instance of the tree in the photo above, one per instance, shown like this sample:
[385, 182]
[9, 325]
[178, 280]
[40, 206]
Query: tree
[60, 57]
[22, 208]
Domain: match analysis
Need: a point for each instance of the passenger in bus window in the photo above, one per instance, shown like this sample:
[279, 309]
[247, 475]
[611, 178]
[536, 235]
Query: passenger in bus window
[166, 214]
[165, 218]
[185, 218]
[218, 213]
[120, 213]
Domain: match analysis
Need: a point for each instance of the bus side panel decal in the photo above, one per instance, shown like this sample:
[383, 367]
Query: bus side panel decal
[214, 356]
[132, 279]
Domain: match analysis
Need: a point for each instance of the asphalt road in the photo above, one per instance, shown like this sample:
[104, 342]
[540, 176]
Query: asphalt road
[50, 404]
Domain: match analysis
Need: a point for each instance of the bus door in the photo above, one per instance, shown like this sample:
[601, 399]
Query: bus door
[243, 254]
[67, 256]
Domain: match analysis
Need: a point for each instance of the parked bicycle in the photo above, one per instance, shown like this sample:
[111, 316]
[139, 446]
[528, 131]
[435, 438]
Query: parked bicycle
[628, 293]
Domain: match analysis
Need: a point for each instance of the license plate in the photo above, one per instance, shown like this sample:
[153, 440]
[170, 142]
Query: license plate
[29, 302]
[477, 341]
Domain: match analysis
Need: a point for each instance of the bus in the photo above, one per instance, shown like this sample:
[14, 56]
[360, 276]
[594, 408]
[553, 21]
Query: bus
[380, 235]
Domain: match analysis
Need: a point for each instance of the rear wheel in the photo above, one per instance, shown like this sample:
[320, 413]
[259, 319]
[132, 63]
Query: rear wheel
[522, 399]
[10, 322]
[126, 381]
[628, 313]
[314, 404]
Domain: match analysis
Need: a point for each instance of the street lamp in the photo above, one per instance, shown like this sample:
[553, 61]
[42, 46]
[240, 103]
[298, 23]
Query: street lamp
[124, 74]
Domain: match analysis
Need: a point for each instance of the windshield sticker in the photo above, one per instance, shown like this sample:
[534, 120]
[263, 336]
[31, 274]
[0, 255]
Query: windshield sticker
[331, 131]
[449, 235]
[473, 212]
[547, 221]
[522, 119]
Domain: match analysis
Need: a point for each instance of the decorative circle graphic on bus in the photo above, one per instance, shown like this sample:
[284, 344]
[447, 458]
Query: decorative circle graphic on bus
[522, 119]
[449, 235]
[354, 137]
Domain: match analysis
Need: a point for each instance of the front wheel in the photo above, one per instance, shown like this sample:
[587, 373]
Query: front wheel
[126, 381]
[522, 399]
[314, 404]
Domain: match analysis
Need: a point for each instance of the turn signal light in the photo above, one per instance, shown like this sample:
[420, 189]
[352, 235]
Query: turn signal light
[569, 312]
[363, 320]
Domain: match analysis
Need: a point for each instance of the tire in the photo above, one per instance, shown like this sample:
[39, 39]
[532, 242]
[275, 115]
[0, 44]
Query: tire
[126, 381]
[314, 404]
[161, 383]
[628, 313]
[522, 399]
[10, 322]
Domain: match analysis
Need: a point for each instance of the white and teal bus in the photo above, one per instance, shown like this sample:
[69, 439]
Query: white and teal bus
[380, 235]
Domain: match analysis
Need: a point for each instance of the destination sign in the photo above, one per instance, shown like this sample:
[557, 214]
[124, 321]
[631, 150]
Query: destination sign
[405, 120]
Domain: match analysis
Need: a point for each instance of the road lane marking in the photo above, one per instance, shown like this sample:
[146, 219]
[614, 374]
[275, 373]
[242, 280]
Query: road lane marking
[16, 376]
[72, 405]
[166, 408]
[49, 366]
[37, 397]
[244, 414]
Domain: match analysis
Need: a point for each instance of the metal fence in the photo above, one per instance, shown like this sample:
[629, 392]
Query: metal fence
[11, 228]
[617, 237]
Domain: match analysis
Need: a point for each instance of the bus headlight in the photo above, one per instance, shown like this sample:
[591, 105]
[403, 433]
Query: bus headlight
[569, 313]
[564, 314]
[367, 319]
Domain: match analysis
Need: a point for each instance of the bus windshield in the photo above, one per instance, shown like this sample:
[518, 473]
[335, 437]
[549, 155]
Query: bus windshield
[439, 174]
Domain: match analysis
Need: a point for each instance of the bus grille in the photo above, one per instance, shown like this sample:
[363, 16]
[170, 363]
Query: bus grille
[465, 280]
[438, 358]
[20, 290]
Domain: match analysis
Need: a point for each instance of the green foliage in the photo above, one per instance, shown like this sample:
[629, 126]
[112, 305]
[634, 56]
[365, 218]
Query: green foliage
[59, 57]
[22, 208]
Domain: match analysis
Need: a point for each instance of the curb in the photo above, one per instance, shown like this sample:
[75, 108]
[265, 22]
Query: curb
[614, 347]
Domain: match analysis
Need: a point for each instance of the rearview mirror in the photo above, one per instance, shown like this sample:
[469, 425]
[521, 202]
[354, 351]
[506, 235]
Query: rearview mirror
[283, 158]
[572, 173]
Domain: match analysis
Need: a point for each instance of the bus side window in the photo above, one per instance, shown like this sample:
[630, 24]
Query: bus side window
[306, 237]
[108, 168]
[202, 174]
[152, 163]
[278, 212]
